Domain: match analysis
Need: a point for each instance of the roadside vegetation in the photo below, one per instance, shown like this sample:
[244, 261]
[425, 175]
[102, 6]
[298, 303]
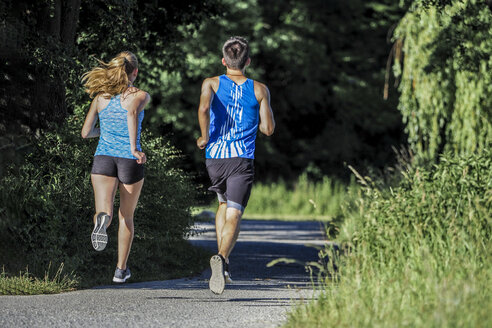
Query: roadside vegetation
[26, 284]
[304, 200]
[415, 255]
[418, 253]
[46, 199]
[46, 213]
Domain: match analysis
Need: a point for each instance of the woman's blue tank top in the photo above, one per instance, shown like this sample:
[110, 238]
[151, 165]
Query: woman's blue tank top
[114, 139]
[234, 117]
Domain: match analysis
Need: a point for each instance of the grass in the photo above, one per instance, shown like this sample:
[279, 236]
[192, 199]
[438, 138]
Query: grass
[182, 260]
[305, 200]
[26, 284]
[418, 255]
[288, 217]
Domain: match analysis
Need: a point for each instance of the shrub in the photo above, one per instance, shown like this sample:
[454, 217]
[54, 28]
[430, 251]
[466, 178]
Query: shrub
[417, 255]
[46, 206]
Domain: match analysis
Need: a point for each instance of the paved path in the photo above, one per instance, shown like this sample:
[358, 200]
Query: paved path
[259, 296]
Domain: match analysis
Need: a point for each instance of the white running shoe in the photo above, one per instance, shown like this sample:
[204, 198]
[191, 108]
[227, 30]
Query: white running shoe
[217, 280]
[227, 277]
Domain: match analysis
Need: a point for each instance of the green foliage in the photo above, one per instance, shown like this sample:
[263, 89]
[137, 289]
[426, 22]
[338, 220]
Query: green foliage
[46, 202]
[47, 45]
[46, 208]
[26, 284]
[323, 62]
[414, 256]
[446, 76]
[305, 199]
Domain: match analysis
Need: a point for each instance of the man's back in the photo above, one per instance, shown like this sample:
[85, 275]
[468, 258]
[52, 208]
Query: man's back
[232, 109]
[234, 117]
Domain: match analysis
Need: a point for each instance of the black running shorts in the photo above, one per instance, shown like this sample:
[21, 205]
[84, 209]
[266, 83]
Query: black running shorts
[127, 170]
[232, 179]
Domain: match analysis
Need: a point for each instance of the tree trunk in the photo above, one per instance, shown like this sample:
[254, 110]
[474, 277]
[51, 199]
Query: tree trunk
[69, 22]
[55, 19]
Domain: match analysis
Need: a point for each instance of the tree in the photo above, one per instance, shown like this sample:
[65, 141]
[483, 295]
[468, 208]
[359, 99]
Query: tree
[37, 37]
[45, 48]
[446, 78]
[46, 45]
[324, 64]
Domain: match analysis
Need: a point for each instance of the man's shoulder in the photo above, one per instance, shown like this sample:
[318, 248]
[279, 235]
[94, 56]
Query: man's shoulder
[261, 89]
[211, 82]
[259, 84]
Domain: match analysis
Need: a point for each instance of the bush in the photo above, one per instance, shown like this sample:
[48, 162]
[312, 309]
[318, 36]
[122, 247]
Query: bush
[418, 255]
[46, 206]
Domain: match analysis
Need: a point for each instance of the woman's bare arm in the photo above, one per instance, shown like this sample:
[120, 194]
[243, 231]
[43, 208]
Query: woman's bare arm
[137, 105]
[89, 130]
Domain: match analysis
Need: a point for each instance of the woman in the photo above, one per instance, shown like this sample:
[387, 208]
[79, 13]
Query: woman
[118, 161]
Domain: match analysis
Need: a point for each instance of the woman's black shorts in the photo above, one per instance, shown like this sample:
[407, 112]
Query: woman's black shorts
[127, 170]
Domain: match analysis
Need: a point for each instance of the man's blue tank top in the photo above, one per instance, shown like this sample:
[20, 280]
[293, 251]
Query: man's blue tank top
[234, 117]
[115, 139]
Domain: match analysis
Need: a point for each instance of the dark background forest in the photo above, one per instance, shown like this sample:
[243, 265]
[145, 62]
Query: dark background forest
[334, 68]
[324, 62]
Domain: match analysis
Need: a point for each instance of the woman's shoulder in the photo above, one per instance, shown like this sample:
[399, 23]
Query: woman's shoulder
[133, 93]
[142, 96]
[136, 96]
[102, 100]
[102, 95]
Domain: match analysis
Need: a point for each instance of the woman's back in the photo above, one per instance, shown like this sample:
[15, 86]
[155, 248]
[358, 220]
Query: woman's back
[118, 162]
[113, 117]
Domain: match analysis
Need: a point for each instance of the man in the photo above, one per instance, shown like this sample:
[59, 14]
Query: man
[232, 108]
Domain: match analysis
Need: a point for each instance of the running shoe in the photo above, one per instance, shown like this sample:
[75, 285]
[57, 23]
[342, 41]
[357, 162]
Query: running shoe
[99, 236]
[227, 274]
[120, 276]
[217, 280]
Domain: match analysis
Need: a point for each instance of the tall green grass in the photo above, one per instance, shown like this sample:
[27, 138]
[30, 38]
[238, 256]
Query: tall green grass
[27, 284]
[419, 255]
[305, 199]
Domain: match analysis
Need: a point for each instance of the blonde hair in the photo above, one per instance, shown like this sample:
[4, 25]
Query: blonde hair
[110, 78]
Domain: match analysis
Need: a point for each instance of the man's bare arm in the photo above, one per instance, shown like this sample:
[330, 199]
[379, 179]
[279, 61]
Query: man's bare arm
[267, 122]
[204, 113]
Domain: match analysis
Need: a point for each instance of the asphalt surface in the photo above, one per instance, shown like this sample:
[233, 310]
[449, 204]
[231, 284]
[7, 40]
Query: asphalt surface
[259, 296]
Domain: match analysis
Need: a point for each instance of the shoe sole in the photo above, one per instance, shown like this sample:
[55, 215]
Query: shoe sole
[217, 280]
[99, 236]
[121, 280]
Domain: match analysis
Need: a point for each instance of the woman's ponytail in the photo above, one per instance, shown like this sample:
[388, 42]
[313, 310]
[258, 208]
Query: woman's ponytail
[112, 77]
